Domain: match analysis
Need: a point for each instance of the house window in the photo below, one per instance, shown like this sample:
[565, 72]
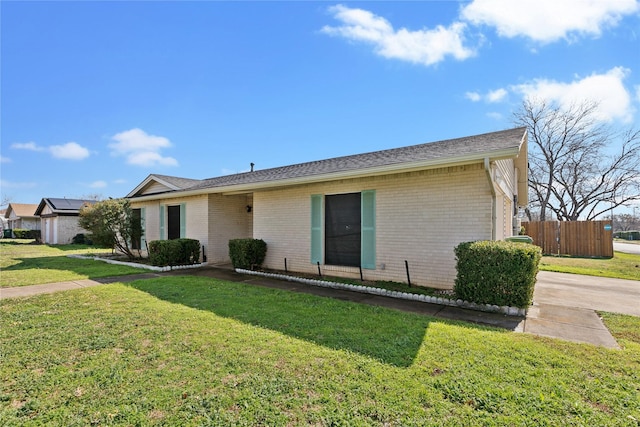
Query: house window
[136, 237]
[138, 240]
[176, 221]
[173, 222]
[349, 229]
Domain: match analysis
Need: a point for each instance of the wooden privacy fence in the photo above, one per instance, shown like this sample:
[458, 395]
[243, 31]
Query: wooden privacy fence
[576, 238]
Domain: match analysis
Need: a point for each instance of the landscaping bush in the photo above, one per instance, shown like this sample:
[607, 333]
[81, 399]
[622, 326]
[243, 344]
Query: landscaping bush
[627, 235]
[174, 252]
[497, 272]
[81, 239]
[247, 253]
[24, 233]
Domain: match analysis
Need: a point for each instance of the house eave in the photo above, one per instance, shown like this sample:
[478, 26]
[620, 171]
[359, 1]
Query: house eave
[334, 176]
[147, 181]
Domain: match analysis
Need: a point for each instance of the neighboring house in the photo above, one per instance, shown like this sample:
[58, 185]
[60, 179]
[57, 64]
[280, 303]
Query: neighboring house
[375, 212]
[59, 219]
[22, 215]
[4, 223]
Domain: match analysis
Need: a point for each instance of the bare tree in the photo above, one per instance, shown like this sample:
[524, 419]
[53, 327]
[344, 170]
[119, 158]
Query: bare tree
[625, 222]
[5, 200]
[574, 170]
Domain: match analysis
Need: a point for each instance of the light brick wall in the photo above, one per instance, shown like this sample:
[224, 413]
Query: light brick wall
[228, 219]
[197, 224]
[67, 228]
[420, 217]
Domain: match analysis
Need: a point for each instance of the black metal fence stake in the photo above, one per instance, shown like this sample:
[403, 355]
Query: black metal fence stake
[319, 272]
[285, 265]
[406, 266]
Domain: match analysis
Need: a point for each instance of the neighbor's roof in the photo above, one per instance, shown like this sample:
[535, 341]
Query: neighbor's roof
[62, 206]
[21, 210]
[494, 145]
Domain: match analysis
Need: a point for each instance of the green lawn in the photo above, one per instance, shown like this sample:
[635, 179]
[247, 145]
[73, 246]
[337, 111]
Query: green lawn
[196, 351]
[24, 263]
[621, 266]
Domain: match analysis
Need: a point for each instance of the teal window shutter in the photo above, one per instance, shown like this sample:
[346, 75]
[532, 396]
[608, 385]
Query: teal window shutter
[368, 230]
[316, 228]
[162, 233]
[143, 240]
[183, 220]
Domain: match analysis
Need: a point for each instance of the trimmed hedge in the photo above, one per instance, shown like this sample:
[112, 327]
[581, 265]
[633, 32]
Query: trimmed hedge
[627, 235]
[25, 233]
[497, 272]
[247, 253]
[174, 252]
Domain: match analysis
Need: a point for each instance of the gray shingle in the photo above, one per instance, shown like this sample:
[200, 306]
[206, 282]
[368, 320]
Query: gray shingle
[451, 148]
[181, 183]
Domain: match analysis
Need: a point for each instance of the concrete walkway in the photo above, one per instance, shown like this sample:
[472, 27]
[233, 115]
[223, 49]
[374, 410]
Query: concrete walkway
[557, 312]
[49, 288]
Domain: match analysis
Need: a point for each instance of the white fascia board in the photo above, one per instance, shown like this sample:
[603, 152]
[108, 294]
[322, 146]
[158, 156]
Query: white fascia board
[356, 173]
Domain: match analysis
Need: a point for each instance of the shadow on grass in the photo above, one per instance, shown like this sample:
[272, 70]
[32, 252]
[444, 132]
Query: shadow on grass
[389, 336]
[87, 268]
[69, 247]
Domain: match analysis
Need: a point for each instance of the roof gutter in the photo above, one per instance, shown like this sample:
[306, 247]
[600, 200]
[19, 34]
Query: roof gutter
[487, 169]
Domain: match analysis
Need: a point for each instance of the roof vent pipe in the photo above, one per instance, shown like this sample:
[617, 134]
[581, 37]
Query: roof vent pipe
[252, 165]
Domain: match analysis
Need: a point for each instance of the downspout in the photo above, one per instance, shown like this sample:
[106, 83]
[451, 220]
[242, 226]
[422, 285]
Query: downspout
[487, 169]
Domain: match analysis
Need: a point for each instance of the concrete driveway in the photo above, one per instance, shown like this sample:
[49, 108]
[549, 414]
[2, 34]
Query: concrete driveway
[629, 248]
[595, 293]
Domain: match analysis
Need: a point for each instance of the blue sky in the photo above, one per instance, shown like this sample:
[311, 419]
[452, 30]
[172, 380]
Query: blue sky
[97, 95]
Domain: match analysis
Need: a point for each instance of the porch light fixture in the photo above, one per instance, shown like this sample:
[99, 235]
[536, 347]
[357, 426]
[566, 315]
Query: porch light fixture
[249, 208]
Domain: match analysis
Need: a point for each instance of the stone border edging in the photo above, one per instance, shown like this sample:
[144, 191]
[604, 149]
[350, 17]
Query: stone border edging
[509, 311]
[137, 265]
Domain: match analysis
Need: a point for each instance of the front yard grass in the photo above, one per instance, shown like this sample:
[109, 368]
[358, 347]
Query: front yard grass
[24, 263]
[197, 351]
[621, 266]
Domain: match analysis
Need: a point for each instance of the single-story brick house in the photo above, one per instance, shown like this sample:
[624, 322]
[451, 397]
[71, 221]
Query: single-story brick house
[59, 219]
[22, 215]
[372, 211]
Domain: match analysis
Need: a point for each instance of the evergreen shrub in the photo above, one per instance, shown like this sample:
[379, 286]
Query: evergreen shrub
[247, 253]
[497, 272]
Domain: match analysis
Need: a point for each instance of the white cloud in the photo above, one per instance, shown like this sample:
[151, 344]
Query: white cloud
[136, 140]
[98, 184]
[491, 96]
[30, 146]
[473, 96]
[546, 21]
[637, 93]
[120, 181]
[141, 149]
[426, 46]
[69, 151]
[497, 95]
[5, 159]
[149, 158]
[11, 184]
[606, 89]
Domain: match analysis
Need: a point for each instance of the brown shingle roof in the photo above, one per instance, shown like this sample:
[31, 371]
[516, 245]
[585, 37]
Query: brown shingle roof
[21, 210]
